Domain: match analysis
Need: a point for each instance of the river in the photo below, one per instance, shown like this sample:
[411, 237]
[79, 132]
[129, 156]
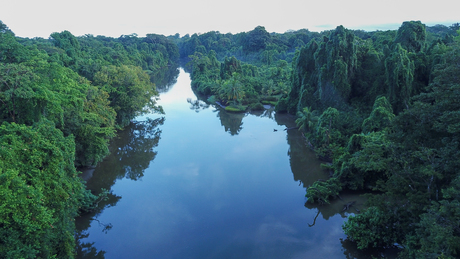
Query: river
[199, 182]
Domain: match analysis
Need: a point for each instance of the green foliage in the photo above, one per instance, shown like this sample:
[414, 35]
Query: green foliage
[380, 118]
[324, 72]
[232, 89]
[232, 108]
[130, 91]
[69, 43]
[406, 148]
[10, 50]
[232, 82]
[255, 47]
[60, 98]
[369, 80]
[21, 99]
[417, 162]
[306, 120]
[399, 74]
[323, 191]
[438, 232]
[40, 191]
[230, 66]
[256, 39]
[371, 228]
[303, 91]
[412, 36]
[327, 136]
[205, 71]
[364, 162]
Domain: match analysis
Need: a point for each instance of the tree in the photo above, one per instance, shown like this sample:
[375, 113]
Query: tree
[399, 73]
[306, 119]
[412, 36]
[232, 89]
[17, 93]
[130, 91]
[380, 117]
[40, 192]
[256, 39]
[304, 80]
[10, 50]
[230, 66]
[79, 109]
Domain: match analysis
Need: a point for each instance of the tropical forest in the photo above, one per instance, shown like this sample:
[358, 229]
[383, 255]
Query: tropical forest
[378, 110]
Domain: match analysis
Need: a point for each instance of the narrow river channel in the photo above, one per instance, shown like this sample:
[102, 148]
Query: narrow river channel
[199, 182]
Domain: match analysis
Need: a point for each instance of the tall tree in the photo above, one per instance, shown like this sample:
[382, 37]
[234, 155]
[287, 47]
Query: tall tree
[130, 91]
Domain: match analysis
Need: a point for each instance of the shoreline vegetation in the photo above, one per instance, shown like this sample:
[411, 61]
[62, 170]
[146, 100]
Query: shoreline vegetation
[379, 108]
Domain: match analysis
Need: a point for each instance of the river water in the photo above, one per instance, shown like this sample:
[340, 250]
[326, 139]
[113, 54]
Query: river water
[199, 182]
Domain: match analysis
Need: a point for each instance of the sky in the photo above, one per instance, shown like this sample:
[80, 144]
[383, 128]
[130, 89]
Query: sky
[40, 18]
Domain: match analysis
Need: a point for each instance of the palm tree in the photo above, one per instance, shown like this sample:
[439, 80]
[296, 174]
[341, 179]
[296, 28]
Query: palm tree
[306, 119]
[232, 89]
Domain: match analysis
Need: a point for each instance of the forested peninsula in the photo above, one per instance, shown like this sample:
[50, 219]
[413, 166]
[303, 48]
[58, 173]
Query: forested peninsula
[380, 109]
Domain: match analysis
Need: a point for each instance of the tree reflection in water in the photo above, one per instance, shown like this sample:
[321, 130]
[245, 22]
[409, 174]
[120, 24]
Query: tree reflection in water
[197, 105]
[130, 154]
[232, 122]
[306, 169]
[165, 79]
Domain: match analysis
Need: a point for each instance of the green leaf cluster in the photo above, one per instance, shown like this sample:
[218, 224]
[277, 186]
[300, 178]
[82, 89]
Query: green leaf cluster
[40, 191]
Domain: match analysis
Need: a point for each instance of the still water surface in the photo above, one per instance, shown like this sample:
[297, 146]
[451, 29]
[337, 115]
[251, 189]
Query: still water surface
[199, 182]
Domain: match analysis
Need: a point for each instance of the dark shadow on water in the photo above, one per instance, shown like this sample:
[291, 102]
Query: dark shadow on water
[306, 168]
[197, 105]
[87, 250]
[131, 153]
[232, 122]
[165, 78]
[349, 203]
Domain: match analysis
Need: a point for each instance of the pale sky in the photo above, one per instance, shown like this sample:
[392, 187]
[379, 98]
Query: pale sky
[40, 18]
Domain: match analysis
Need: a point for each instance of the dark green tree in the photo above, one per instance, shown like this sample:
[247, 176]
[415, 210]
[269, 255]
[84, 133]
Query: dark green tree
[399, 74]
[130, 91]
[412, 36]
[40, 192]
[256, 39]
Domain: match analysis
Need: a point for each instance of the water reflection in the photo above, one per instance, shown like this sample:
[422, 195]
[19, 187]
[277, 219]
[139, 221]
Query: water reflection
[197, 105]
[209, 194]
[232, 122]
[165, 78]
[306, 169]
[87, 250]
[304, 163]
[131, 153]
